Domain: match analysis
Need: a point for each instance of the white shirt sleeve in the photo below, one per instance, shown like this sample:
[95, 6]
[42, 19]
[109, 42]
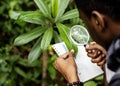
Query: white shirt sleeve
[109, 73]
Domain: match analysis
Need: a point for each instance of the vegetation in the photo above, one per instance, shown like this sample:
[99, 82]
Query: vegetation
[28, 29]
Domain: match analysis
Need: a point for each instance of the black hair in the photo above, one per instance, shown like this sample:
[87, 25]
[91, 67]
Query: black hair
[110, 8]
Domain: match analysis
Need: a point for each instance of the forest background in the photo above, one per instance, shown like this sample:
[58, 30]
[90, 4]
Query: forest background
[28, 28]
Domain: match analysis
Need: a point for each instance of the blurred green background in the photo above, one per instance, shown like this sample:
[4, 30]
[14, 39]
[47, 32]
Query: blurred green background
[26, 58]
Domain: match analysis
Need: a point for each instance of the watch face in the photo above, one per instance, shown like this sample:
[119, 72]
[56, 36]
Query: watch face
[79, 35]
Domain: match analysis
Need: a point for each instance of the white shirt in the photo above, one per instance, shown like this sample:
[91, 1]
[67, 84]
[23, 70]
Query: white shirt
[109, 73]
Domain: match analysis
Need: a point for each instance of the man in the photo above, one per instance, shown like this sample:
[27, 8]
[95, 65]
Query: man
[102, 18]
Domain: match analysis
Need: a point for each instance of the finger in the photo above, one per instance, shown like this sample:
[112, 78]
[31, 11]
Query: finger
[64, 56]
[91, 50]
[97, 54]
[93, 43]
[102, 62]
[98, 59]
[93, 53]
[71, 54]
[95, 46]
[55, 63]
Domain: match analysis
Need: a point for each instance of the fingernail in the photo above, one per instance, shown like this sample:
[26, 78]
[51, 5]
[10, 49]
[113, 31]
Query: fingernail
[87, 46]
[65, 57]
[93, 50]
[103, 55]
[93, 43]
[72, 50]
[99, 52]
[89, 51]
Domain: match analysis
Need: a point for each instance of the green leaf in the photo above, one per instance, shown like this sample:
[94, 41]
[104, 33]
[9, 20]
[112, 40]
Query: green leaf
[90, 83]
[14, 15]
[35, 63]
[56, 37]
[55, 5]
[47, 37]
[43, 7]
[21, 72]
[75, 21]
[69, 15]
[35, 51]
[62, 7]
[27, 37]
[64, 32]
[52, 72]
[99, 78]
[34, 17]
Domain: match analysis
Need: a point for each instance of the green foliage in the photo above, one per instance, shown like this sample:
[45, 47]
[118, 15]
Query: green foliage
[43, 8]
[98, 81]
[38, 28]
[40, 31]
[49, 20]
[34, 17]
[27, 37]
[64, 32]
[12, 68]
[47, 37]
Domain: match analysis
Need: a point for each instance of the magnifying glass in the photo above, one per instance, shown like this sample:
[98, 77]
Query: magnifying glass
[79, 35]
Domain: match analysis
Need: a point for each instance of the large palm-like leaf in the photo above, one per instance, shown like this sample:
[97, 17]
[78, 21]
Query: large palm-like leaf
[43, 8]
[55, 5]
[69, 15]
[35, 51]
[34, 17]
[61, 9]
[64, 32]
[46, 39]
[27, 37]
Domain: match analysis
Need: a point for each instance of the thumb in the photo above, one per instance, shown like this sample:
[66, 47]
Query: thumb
[71, 53]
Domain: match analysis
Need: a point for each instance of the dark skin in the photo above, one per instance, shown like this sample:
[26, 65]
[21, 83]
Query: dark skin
[99, 29]
[102, 29]
[97, 53]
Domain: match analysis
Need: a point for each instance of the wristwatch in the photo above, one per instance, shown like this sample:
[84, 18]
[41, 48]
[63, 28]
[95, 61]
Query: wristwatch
[78, 83]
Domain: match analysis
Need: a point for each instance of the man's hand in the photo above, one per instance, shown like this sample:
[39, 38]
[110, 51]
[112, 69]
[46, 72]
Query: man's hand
[66, 65]
[97, 53]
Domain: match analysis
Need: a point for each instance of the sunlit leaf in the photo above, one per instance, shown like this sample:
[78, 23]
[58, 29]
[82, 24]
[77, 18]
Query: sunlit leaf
[14, 15]
[64, 32]
[43, 7]
[46, 39]
[27, 37]
[90, 83]
[62, 7]
[70, 15]
[35, 51]
[99, 77]
[55, 5]
[34, 17]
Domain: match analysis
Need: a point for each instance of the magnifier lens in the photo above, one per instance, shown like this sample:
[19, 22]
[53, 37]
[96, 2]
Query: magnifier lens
[79, 35]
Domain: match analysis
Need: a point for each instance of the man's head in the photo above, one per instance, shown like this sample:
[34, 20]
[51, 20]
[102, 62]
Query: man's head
[102, 18]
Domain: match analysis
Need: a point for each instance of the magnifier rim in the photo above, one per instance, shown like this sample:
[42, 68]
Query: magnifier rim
[80, 27]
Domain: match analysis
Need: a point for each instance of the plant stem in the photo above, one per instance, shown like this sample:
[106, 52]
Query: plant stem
[44, 72]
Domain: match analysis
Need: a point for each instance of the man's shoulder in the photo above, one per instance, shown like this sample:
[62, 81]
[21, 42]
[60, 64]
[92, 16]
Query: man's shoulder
[115, 81]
